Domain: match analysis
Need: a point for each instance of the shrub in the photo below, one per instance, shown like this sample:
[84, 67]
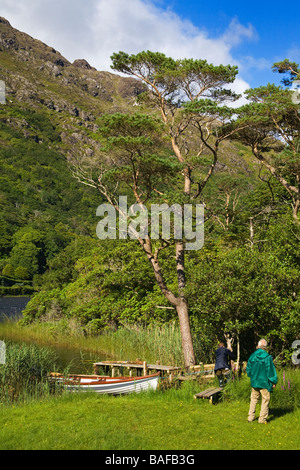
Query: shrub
[8, 270]
[22, 273]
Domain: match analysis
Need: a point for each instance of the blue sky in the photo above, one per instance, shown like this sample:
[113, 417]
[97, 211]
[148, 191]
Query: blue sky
[252, 37]
[275, 24]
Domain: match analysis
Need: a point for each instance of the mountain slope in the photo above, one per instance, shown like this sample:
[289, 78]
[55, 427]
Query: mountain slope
[50, 111]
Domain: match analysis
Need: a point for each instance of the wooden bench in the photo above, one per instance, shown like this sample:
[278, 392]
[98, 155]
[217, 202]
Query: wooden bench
[209, 393]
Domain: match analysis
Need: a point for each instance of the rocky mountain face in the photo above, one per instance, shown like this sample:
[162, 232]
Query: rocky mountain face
[39, 77]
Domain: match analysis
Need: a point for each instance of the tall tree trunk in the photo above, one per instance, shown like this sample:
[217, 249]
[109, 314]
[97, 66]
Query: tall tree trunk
[186, 335]
[251, 233]
[182, 308]
[187, 181]
[179, 302]
[186, 171]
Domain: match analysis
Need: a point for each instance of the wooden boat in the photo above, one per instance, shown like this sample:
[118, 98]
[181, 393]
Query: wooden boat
[105, 384]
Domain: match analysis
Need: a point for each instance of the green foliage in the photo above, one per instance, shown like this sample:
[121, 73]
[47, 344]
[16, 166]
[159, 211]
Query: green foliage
[168, 75]
[22, 273]
[41, 206]
[245, 291]
[270, 126]
[248, 292]
[289, 68]
[137, 156]
[8, 270]
[16, 289]
[206, 108]
[114, 285]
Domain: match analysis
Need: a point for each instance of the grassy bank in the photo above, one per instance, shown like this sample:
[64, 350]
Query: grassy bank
[170, 420]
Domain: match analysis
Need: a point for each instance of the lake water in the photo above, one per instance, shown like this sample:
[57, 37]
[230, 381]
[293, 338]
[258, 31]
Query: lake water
[77, 361]
[12, 307]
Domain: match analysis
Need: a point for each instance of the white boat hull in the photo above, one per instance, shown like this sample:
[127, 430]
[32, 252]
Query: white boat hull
[108, 385]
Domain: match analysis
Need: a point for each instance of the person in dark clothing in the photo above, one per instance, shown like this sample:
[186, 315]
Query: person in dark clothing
[223, 364]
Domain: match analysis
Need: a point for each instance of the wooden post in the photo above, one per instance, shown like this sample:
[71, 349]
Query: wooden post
[251, 233]
[145, 369]
[238, 354]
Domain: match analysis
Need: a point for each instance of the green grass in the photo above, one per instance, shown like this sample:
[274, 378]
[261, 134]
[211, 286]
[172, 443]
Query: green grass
[170, 420]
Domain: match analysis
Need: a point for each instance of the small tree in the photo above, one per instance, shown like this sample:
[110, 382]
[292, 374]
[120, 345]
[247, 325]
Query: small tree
[8, 270]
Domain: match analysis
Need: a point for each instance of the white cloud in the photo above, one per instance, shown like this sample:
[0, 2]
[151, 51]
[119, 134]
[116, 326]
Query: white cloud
[136, 25]
[236, 33]
[94, 29]
[63, 25]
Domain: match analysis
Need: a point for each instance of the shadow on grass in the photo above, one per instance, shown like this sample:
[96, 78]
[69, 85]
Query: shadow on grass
[278, 412]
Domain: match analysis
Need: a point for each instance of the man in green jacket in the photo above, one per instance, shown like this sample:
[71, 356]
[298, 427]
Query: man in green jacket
[263, 378]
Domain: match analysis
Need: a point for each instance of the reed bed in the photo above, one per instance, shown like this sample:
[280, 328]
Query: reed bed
[23, 376]
[156, 344]
[162, 344]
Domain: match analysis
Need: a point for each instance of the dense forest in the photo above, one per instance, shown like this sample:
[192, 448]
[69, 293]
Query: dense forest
[166, 134]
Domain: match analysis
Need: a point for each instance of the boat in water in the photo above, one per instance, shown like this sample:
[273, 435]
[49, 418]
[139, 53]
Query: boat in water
[106, 384]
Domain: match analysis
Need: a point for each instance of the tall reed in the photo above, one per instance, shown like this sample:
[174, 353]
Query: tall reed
[156, 344]
[24, 374]
[152, 344]
[129, 342]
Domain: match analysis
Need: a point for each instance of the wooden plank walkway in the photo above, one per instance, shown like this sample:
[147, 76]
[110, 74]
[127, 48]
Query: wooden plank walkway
[114, 368]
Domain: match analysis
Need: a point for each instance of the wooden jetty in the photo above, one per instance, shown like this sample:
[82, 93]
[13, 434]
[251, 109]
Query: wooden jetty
[115, 368]
[138, 367]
